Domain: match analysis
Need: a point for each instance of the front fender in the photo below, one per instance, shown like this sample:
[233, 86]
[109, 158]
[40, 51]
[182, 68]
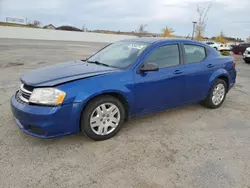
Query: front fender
[81, 91]
[85, 97]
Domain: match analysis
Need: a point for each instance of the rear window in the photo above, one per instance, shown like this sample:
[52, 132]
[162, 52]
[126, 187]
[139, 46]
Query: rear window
[194, 53]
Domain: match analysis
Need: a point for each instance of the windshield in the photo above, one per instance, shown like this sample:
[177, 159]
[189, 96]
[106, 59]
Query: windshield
[119, 54]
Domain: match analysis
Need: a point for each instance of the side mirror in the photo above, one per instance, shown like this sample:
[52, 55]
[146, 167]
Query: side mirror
[149, 67]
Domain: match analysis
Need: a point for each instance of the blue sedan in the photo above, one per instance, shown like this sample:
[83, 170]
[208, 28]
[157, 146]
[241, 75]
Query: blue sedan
[125, 79]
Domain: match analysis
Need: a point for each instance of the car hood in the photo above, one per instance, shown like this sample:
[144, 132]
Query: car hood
[64, 72]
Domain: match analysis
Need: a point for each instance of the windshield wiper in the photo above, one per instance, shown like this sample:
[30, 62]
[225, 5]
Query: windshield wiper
[98, 63]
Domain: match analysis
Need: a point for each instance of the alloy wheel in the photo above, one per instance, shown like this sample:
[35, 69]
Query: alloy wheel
[104, 119]
[218, 94]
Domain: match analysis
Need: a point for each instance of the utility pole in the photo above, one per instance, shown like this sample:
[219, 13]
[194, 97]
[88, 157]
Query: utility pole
[194, 23]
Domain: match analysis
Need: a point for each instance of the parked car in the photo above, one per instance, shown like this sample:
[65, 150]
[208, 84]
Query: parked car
[246, 55]
[240, 49]
[125, 79]
[213, 44]
[231, 45]
[225, 47]
[219, 46]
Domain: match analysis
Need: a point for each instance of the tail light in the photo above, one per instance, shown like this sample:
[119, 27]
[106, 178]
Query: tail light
[234, 64]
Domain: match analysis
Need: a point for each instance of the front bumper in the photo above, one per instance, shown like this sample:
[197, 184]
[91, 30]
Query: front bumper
[45, 121]
[246, 55]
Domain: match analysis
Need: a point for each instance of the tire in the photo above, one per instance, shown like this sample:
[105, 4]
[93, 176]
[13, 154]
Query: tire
[246, 61]
[97, 122]
[209, 102]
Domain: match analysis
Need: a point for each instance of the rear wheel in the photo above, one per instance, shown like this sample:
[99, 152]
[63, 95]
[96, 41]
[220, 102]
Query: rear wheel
[102, 117]
[216, 95]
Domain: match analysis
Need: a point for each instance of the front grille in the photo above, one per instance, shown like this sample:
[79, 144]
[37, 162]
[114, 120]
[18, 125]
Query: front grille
[28, 88]
[24, 93]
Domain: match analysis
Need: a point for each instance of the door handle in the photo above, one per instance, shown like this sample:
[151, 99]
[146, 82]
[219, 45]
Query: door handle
[177, 72]
[210, 66]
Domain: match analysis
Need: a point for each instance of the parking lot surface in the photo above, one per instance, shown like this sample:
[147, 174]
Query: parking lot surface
[189, 146]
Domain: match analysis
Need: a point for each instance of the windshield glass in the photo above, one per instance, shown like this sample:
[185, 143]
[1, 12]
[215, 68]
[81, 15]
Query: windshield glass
[119, 54]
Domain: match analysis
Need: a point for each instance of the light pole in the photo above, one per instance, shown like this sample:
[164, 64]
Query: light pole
[194, 23]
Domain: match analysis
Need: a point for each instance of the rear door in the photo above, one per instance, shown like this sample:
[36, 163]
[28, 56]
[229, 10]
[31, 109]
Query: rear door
[198, 70]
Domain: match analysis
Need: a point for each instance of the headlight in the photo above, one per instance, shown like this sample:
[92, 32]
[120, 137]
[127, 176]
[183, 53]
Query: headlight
[47, 96]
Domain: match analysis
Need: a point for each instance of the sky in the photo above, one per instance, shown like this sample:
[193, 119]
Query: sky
[230, 16]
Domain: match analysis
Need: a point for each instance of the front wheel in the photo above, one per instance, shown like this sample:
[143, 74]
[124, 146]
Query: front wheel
[216, 95]
[102, 118]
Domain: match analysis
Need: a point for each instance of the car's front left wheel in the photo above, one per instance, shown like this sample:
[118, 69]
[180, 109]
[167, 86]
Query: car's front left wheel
[102, 117]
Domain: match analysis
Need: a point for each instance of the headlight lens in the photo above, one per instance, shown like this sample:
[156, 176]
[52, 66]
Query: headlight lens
[47, 96]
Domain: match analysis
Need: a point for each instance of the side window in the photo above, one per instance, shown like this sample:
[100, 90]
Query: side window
[165, 56]
[247, 44]
[244, 44]
[194, 53]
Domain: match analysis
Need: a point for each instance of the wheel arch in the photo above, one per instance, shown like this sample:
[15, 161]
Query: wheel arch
[226, 79]
[220, 74]
[115, 94]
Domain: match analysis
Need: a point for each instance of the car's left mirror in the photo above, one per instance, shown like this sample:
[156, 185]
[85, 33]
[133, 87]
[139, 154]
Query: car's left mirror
[149, 67]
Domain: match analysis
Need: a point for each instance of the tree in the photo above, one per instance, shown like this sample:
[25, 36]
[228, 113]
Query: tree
[167, 32]
[240, 40]
[68, 28]
[36, 23]
[142, 29]
[202, 21]
[221, 38]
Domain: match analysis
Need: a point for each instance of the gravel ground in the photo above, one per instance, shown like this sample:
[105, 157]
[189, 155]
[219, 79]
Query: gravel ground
[185, 147]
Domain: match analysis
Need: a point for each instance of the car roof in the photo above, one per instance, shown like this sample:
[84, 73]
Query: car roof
[152, 40]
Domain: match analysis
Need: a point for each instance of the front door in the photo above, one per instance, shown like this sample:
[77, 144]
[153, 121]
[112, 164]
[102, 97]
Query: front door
[163, 88]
